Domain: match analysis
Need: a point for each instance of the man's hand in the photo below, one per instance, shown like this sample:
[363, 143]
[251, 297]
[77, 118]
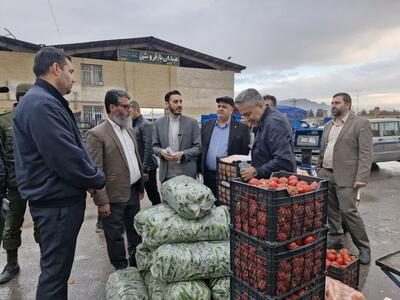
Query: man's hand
[177, 156]
[166, 155]
[145, 177]
[104, 210]
[247, 173]
[358, 185]
[92, 192]
[141, 196]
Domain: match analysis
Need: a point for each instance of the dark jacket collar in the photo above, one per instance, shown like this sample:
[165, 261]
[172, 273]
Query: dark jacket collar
[52, 90]
[264, 115]
[137, 121]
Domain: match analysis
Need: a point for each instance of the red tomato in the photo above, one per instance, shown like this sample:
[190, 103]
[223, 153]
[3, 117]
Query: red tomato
[276, 179]
[331, 256]
[254, 181]
[292, 182]
[339, 259]
[314, 186]
[293, 177]
[301, 182]
[272, 185]
[308, 240]
[293, 246]
[283, 180]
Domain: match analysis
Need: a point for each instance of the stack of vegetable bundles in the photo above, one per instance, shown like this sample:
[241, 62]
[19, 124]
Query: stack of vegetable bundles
[185, 250]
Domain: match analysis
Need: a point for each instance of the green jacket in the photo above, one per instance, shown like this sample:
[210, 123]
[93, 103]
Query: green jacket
[6, 141]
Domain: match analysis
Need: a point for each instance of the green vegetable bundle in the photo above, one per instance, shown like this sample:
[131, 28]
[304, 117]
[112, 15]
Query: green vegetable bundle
[126, 284]
[220, 288]
[182, 262]
[188, 197]
[159, 225]
[184, 290]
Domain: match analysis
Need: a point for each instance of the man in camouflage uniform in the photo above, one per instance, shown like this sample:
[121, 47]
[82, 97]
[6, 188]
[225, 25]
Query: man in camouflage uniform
[17, 206]
[3, 179]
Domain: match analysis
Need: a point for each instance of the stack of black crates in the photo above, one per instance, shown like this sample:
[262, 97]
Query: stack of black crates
[265, 224]
[225, 172]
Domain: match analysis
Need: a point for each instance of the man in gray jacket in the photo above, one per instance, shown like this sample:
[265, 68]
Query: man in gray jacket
[345, 159]
[176, 140]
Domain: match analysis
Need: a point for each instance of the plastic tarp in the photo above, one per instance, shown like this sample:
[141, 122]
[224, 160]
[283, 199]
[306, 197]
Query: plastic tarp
[190, 261]
[160, 225]
[126, 284]
[188, 197]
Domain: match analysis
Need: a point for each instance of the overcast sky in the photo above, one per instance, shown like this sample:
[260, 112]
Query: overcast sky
[292, 49]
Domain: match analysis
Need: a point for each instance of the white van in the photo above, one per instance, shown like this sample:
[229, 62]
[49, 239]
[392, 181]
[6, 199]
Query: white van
[386, 139]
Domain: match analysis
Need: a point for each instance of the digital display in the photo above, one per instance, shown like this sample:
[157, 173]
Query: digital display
[307, 140]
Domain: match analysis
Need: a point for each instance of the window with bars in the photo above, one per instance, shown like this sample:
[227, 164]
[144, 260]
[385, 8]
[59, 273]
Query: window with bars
[92, 75]
[93, 115]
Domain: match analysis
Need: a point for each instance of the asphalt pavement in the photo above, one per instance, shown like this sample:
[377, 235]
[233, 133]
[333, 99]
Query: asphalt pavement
[379, 207]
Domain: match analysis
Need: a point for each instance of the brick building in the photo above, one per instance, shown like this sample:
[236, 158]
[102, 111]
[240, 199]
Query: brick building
[145, 67]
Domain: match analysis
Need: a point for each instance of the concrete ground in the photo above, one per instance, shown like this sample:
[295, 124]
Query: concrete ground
[379, 207]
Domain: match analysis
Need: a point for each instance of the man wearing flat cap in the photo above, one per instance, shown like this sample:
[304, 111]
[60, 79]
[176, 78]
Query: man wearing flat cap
[17, 206]
[221, 137]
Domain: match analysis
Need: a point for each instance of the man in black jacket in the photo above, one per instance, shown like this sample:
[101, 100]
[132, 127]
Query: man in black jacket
[221, 137]
[144, 138]
[53, 168]
[273, 147]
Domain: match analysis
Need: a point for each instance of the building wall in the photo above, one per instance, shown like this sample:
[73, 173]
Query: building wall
[146, 83]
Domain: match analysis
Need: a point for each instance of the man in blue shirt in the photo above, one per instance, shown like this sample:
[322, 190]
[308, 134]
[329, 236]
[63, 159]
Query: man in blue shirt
[53, 168]
[222, 137]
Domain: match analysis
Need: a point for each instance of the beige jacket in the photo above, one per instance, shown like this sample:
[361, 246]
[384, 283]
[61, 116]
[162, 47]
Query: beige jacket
[108, 154]
[352, 153]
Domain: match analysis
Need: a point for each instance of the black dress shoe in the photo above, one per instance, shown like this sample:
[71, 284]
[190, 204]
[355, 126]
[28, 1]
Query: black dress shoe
[9, 272]
[332, 245]
[365, 256]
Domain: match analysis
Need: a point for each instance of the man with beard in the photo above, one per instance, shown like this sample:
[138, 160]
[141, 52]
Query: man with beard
[53, 168]
[345, 160]
[176, 140]
[114, 149]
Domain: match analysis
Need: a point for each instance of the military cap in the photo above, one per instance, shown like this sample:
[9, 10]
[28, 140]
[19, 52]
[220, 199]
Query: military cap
[23, 88]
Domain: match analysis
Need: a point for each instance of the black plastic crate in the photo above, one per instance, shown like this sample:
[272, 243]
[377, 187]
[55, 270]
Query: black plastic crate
[224, 193]
[273, 215]
[225, 172]
[274, 271]
[349, 274]
[313, 290]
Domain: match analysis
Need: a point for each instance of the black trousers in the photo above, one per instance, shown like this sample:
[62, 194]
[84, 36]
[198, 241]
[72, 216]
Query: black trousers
[210, 180]
[58, 228]
[114, 226]
[151, 188]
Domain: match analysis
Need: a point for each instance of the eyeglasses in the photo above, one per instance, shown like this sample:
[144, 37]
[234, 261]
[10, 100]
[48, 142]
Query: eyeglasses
[126, 106]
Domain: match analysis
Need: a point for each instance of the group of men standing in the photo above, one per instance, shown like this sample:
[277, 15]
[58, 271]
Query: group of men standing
[55, 169]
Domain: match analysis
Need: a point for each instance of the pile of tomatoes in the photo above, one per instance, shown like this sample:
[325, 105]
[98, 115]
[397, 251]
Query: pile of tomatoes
[292, 183]
[295, 219]
[251, 266]
[339, 259]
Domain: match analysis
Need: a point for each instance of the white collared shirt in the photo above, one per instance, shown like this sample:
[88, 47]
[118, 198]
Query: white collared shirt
[129, 150]
[336, 128]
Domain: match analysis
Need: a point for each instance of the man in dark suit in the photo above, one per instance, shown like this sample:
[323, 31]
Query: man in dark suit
[176, 140]
[222, 137]
[114, 149]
